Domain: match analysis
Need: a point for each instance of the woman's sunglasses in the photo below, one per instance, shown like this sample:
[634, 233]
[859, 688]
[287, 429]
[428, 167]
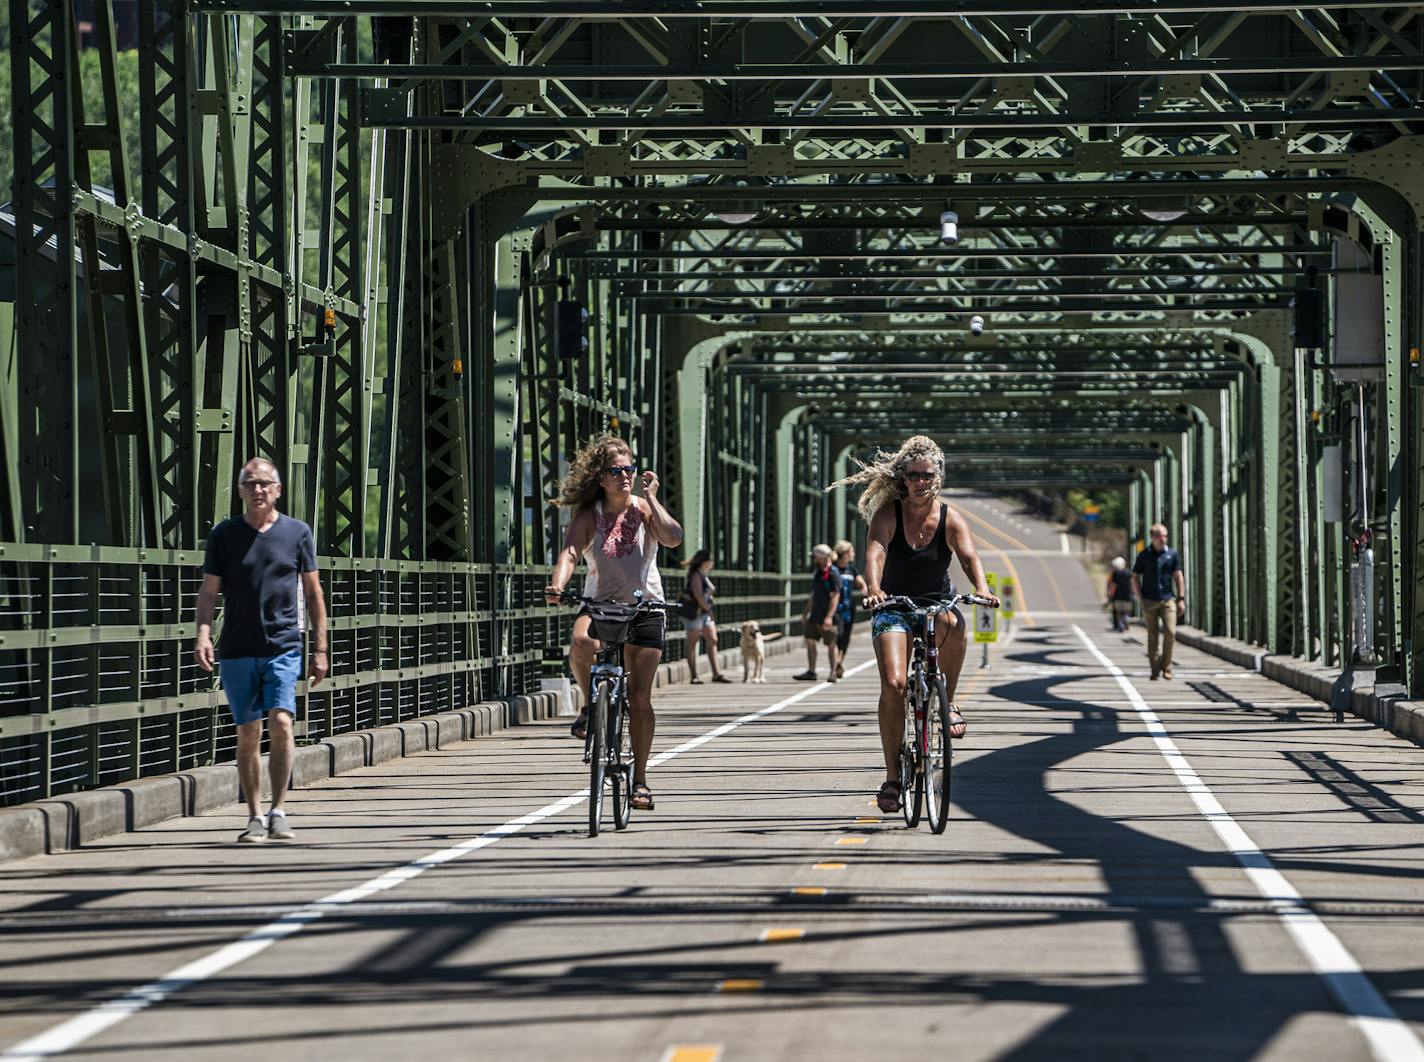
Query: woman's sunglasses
[920, 477]
[620, 470]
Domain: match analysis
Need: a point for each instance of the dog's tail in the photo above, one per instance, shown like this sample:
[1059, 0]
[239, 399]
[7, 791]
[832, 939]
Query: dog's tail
[772, 636]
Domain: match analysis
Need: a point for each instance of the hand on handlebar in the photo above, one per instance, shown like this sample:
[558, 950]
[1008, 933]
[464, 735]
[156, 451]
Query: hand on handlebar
[556, 595]
[873, 600]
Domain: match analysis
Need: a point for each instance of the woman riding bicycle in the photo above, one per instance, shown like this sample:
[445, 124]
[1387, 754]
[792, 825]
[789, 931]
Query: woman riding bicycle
[912, 538]
[618, 534]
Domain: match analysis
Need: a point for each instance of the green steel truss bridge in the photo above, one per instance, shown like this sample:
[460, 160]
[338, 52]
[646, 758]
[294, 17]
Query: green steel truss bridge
[338, 233]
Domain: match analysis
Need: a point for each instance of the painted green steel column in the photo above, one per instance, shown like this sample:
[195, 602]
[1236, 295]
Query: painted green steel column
[1267, 467]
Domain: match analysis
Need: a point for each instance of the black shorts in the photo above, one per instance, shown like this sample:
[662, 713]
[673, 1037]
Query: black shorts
[648, 630]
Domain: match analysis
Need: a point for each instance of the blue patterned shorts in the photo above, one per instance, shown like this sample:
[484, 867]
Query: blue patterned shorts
[888, 620]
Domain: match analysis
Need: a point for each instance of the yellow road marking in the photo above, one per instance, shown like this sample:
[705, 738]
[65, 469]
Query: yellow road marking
[829, 866]
[809, 890]
[1052, 582]
[777, 934]
[868, 818]
[851, 840]
[692, 1053]
[740, 984]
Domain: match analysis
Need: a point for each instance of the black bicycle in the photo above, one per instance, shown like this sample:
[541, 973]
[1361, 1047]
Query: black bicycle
[926, 749]
[608, 744]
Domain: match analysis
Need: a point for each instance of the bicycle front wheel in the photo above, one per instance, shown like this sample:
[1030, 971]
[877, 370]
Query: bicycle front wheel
[598, 756]
[621, 767]
[939, 756]
[912, 782]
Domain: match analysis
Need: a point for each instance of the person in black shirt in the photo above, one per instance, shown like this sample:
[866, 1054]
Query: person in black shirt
[259, 562]
[1120, 593]
[1158, 581]
[911, 541]
[818, 620]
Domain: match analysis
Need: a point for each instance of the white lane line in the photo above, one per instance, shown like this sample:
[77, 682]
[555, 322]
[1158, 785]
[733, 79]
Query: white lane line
[70, 1034]
[1389, 1038]
[1063, 543]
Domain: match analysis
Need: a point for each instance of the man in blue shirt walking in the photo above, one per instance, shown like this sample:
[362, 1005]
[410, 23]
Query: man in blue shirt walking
[1158, 582]
[261, 562]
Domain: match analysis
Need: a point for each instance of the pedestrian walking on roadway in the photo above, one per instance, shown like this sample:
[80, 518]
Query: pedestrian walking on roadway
[851, 584]
[617, 534]
[1158, 582]
[1120, 595]
[698, 619]
[262, 563]
[818, 619]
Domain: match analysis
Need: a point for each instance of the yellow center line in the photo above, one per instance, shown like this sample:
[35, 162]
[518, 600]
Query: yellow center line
[693, 1053]
[809, 890]
[828, 866]
[866, 819]
[740, 984]
[1020, 544]
[778, 934]
[850, 840]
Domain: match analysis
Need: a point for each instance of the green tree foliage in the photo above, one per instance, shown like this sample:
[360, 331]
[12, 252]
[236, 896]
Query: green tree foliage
[91, 85]
[1112, 509]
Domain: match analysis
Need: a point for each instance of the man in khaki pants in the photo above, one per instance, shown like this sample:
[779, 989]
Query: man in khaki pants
[1158, 582]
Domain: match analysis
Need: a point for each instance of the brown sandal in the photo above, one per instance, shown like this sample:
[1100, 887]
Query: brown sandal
[888, 799]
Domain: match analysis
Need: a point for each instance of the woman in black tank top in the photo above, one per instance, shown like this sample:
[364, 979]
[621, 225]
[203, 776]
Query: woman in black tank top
[901, 497]
[919, 572]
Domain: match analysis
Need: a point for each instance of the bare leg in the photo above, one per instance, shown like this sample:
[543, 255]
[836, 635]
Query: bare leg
[282, 749]
[709, 647]
[810, 655]
[692, 640]
[642, 664]
[892, 650]
[249, 765]
[582, 650]
[953, 635]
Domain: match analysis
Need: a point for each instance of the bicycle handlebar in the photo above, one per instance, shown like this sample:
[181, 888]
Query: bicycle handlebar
[900, 603]
[571, 597]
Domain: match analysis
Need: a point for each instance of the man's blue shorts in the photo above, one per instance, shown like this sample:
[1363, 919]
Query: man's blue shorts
[256, 685]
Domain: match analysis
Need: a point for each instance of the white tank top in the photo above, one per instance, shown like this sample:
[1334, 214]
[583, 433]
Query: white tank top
[622, 558]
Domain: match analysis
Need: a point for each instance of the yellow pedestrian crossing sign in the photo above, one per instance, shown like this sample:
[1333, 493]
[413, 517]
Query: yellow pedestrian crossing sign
[1006, 608]
[986, 620]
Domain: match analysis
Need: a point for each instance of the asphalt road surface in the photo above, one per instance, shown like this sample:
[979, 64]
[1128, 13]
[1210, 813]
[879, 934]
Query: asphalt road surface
[1206, 868]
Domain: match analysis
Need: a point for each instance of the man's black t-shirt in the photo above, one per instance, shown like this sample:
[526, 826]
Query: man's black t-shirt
[824, 582]
[261, 582]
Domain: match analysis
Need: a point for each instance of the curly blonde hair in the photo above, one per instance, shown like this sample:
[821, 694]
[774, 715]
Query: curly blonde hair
[883, 475]
[582, 485]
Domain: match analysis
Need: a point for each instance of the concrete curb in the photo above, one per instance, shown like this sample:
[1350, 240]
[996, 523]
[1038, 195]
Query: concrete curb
[60, 823]
[47, 826]
[1385, 705]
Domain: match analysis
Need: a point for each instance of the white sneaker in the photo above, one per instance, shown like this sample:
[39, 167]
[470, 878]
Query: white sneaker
[278, 829]
[256, 831]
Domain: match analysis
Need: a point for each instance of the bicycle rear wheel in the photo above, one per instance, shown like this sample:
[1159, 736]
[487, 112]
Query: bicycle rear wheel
[622, 767]
[912, 782]
[939, 756]
[598, 760]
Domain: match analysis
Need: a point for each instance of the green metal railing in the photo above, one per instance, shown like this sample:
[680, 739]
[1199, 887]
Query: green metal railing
[98, 684]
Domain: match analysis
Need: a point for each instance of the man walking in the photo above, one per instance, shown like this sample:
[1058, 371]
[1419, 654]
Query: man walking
[1158, 582]
[259, 562]
[818, 621]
